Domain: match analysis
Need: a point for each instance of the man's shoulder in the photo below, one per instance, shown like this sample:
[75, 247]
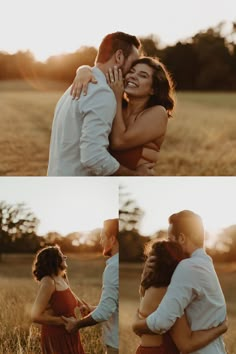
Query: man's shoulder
[101, 85]
[111, 269]
[185, 266]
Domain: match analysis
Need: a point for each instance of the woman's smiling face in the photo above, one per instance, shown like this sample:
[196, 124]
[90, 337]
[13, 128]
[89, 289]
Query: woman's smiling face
[138, 81]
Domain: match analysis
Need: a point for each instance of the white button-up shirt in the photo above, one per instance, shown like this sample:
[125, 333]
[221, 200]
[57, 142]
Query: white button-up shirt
[80, 132]
[107, 309]
[194, 288]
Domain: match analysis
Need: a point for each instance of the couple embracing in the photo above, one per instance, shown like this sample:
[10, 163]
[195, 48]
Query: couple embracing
[119, 125]
[182, 307]
[55, 304]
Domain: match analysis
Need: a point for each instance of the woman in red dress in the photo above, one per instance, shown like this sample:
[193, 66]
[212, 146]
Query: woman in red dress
[145, 101]
[152, 289]
[54, 299]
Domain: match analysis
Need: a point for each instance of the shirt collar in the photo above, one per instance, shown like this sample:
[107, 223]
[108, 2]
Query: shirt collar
[100, 74]
[198, 252]
[113, 259]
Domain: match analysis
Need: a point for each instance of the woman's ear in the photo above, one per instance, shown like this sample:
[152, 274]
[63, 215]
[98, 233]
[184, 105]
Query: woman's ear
[152, 92]
[119, 57]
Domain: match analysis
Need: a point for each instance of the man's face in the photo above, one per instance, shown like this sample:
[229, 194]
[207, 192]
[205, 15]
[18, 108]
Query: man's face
[134, 55]
[106, 242]
[180, 239]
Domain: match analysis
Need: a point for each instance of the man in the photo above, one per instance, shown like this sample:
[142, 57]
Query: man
[194, 287]
[81, 128]
[107, 309]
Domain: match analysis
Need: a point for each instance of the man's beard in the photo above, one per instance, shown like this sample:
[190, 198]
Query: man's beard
[107, 253]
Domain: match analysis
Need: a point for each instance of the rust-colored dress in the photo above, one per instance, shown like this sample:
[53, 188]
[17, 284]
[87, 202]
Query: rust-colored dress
[55, 339]
[128, 158]
[167, 347]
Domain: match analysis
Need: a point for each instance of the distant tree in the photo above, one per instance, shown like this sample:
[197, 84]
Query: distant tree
[131, 246]
[64, 67]
[160, 235]
[17, 224]
[226, 242]
[214, 60]
[52, 238]
[150, 45]
[130, 214]
[93, 240]
[131, 243]
[182, 63]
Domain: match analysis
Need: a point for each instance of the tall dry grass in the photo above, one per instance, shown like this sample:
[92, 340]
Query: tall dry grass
[17, 293]
[201, 139]
[129, 301]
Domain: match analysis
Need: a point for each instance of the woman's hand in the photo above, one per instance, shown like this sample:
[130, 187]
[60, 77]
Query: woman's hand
[80, 84]
[115, 81]
[85, 308]
[224, 326]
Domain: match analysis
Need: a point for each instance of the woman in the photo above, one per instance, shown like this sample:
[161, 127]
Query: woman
[145, 101]
[54, 299]
[152, 289]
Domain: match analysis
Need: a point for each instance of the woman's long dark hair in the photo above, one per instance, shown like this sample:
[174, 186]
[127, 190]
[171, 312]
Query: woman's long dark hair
[162, 84]
[167, 254]
[47, 262]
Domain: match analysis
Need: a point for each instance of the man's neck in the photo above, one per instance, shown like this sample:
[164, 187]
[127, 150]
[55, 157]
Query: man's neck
[104, 67]
[195, 249]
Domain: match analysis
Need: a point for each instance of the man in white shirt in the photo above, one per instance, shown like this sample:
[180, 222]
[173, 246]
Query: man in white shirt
[107, 309]
[194, 287]
[81, 128]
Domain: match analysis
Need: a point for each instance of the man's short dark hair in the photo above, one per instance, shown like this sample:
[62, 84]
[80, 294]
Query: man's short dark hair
[115, 41]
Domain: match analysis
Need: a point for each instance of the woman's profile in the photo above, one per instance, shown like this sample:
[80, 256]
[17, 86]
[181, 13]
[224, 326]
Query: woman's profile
[54, 299]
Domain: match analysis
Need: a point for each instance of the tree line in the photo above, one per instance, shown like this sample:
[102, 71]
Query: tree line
[206, 61]
[132, 243]
[18, 233]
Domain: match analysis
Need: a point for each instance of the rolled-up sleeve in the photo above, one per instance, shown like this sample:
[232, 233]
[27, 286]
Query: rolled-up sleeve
[108, 303]
[179, 294]
[99, 110]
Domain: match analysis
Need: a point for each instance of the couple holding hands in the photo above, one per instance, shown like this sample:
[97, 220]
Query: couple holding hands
[182, 307]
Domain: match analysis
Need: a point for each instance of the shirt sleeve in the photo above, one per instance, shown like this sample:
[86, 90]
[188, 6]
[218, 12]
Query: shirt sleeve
[108, 303]
[99, 108]
[181, 291]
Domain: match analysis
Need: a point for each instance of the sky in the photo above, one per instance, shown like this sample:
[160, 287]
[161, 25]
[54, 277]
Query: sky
[48, 27]
[82, 204]
[213, 198]
[64, 204]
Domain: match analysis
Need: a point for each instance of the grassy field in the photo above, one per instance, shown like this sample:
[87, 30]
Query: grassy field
[129, 283]
[18, 291]
[200, 141]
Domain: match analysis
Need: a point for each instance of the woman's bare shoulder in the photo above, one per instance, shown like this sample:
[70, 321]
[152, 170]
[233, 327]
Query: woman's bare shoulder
[151, 300]
[48, 281]
[155, 112]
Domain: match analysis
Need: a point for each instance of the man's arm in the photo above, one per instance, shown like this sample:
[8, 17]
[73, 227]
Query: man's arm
[108, 303]
[99, 110]
[72, 325]
[189, 341]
